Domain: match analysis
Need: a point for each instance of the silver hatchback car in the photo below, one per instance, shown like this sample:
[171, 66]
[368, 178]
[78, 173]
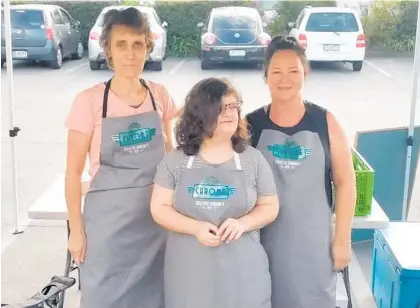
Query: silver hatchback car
[158, 28]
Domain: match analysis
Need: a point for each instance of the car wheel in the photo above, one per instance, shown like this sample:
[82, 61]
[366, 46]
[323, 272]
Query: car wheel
[357, 66]
[156, 66]
[58, 61]
[94, 65]
[79, 52]
[205, 65]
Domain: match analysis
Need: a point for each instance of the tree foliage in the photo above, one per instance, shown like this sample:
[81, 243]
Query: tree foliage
[391, 24]
[288, 11]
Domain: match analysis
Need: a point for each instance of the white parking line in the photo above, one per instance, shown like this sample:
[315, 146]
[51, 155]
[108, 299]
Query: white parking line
[378, 69]
[176, 67]
[75, 67]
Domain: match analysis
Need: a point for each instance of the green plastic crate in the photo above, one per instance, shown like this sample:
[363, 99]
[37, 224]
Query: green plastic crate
[365, 176]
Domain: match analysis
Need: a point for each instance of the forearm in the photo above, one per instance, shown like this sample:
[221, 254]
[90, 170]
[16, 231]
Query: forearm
[169, 132]
[167, 217]
[344, 210]
[73, 189]
[259, 217]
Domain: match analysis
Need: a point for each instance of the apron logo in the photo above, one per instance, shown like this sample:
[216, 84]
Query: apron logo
[289, 155]
[136, 138]
[210, 193]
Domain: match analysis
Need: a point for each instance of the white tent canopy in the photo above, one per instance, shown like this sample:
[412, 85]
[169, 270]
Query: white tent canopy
[14, 130]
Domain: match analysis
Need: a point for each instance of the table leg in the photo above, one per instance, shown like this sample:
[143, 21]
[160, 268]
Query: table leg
[67, 269]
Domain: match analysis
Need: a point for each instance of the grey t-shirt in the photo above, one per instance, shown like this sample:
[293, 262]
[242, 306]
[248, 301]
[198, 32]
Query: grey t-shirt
[258, 174]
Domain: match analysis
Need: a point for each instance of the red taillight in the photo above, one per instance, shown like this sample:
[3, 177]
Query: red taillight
[360, 43]
[303, 40]
[265, 40]
[155, 36]
[93, 36]
[49, 33]
[210, 39]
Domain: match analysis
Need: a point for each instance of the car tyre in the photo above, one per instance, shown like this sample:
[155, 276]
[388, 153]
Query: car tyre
[205, 65]
[156, 66]
[357, 66]
[94, 65]
[58, 60]
[79, 52]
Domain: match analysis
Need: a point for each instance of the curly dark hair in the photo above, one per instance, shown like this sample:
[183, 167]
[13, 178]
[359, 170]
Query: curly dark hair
[198, 121]
[129, 17]
[283, 42]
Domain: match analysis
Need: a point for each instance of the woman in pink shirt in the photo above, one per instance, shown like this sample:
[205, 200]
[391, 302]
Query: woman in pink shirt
[124, 127]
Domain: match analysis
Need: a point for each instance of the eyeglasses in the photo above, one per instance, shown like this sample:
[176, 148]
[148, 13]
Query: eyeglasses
[231, 106]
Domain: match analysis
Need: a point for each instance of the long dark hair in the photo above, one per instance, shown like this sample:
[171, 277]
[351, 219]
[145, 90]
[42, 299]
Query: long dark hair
[198, 121]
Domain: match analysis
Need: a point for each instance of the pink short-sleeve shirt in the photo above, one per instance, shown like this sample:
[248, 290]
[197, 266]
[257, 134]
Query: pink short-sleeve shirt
[85, 114]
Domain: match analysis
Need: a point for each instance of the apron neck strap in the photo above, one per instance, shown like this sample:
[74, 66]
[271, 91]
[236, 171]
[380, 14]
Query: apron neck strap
[235, 157]
[106, 93]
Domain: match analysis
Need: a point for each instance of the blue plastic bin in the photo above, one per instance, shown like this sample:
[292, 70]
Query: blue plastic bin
[396, 266]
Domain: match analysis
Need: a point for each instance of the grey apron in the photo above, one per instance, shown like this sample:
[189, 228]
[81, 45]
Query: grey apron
[234, 275]
[299, 241]
[124, 260]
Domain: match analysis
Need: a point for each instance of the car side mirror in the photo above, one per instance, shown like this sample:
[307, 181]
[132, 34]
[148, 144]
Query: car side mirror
[164, 24]
[200, 24]
[291, 24]
[264, 24]
[76, 23]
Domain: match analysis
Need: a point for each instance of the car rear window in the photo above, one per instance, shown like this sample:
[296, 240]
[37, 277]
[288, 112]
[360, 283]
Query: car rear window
[26, 19]
[234, 22]
[332, 22]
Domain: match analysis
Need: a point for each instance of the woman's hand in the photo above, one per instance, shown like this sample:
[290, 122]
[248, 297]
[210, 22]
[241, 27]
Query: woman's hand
[230, 230]
[77, 245]
[341, 252]
[207, 234]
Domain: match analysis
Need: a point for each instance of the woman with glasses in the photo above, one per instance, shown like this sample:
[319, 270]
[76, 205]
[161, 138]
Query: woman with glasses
[214, 193]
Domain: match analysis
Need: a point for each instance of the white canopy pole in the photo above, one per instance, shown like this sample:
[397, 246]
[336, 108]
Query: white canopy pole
[13, 129]
[410, 137]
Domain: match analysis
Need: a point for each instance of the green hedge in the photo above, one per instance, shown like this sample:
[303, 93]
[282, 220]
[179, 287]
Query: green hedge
[182, 18]
[391, 24]
[288, 11]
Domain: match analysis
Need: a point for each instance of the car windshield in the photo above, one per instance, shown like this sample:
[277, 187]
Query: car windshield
[234, 22]
[26, 19]
[332, 22]
[100, 21]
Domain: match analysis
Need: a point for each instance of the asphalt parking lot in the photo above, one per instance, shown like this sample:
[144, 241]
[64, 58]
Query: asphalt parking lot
[377, 97]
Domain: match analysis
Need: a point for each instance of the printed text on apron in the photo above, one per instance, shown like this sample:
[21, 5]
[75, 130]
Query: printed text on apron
[299, 241]
[125, 248]
[234, 275]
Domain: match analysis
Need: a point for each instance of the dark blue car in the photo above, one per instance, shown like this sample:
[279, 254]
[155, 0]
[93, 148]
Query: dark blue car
[233, 34]
[44, 33]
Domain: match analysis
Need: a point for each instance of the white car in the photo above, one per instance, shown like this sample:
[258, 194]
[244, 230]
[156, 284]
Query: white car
[331, 34]
[158, 28]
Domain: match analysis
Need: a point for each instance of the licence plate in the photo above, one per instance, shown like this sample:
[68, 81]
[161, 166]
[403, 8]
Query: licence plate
[237, 53]
[20, 54]
[331, 47]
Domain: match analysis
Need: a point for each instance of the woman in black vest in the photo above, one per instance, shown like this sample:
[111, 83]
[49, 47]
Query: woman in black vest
[307, 149]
